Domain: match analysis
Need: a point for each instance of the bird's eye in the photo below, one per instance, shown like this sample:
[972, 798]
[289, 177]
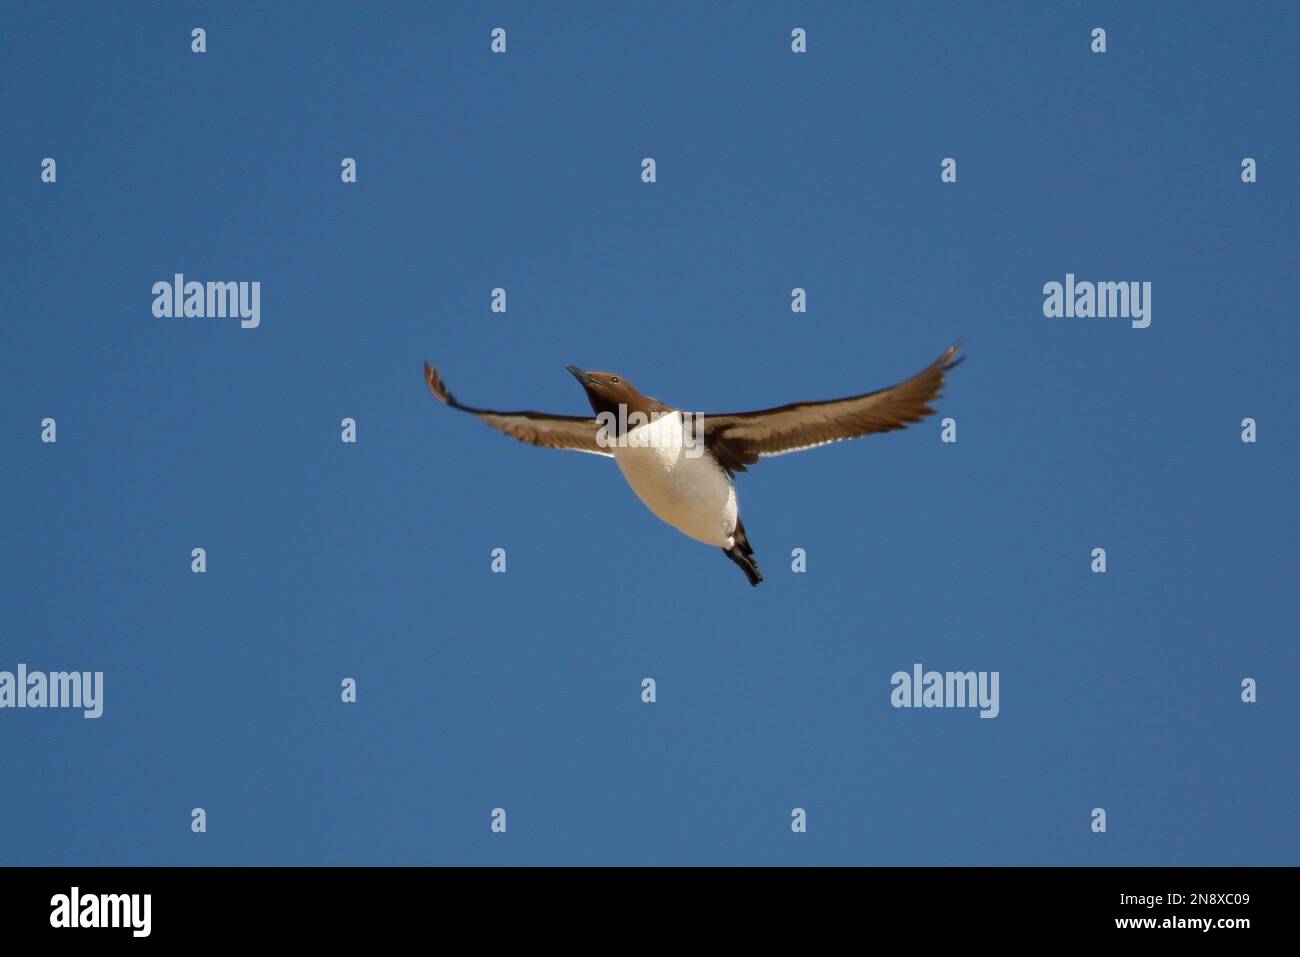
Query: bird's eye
[613, 378]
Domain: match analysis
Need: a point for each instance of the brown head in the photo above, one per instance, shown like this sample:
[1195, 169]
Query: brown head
[606, 391]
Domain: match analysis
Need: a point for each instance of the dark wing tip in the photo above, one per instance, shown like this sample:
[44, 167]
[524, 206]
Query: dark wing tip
[946, 361]
[434, 381]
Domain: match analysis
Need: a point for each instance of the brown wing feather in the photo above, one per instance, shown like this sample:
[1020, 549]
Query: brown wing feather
[739, 439]
[576, 433]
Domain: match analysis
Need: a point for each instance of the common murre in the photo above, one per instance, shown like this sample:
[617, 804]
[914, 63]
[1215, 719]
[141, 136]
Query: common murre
[681, 464]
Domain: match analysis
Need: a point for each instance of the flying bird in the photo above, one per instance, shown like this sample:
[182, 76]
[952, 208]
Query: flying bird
[682, 464]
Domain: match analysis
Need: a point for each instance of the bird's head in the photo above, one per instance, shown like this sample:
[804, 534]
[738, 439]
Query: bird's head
[607, 391]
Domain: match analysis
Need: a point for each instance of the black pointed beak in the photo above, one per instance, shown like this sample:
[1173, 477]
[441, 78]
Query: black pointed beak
[581, 376]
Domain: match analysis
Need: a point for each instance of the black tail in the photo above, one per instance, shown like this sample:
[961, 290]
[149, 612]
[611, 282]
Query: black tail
[743, 555]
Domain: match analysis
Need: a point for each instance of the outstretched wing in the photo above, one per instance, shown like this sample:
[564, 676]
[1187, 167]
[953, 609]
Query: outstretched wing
[536, 428]
[739, 439]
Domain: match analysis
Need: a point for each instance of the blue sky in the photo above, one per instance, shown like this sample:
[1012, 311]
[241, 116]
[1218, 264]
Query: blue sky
[522, 690]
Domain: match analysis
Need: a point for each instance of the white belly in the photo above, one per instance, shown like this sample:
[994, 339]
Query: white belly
[686, 489]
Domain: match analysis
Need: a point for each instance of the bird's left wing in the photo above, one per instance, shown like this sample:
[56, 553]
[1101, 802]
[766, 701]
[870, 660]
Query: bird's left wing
[739, 439]
[576, 433]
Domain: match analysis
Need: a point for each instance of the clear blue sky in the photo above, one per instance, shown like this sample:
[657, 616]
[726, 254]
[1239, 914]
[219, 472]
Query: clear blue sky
[522, 690]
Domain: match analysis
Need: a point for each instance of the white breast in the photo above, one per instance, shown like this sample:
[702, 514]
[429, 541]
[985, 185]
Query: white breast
[685, 487]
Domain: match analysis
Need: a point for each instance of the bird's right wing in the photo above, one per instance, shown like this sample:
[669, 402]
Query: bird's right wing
[576, 433]
[740, 439]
